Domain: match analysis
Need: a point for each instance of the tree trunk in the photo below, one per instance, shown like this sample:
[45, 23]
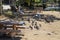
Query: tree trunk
[13, 2]
[59, 3]
[0, 7]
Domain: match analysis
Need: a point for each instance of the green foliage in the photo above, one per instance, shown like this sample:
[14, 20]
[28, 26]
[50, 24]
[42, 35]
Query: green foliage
[17, 2]
[37, 0]
[8, 13]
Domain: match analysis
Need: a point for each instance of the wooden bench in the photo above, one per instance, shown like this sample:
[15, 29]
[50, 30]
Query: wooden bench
[20, 27]
[9, 32]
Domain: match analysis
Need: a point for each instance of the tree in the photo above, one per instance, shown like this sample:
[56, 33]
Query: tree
[44, 3]
[0, 7]
[59, 2]
[55, 1]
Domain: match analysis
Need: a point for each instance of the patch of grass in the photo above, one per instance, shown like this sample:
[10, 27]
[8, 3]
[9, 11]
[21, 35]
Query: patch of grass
[8, 13]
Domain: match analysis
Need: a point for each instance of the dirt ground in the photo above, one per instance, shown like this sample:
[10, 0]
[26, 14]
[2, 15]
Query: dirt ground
[47, 31]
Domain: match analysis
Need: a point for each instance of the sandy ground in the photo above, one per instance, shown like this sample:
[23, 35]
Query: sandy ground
[47, 31]
[42, 34]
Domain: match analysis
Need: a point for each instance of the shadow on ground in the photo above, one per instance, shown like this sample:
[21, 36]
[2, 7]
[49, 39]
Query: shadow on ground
[9, 38]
